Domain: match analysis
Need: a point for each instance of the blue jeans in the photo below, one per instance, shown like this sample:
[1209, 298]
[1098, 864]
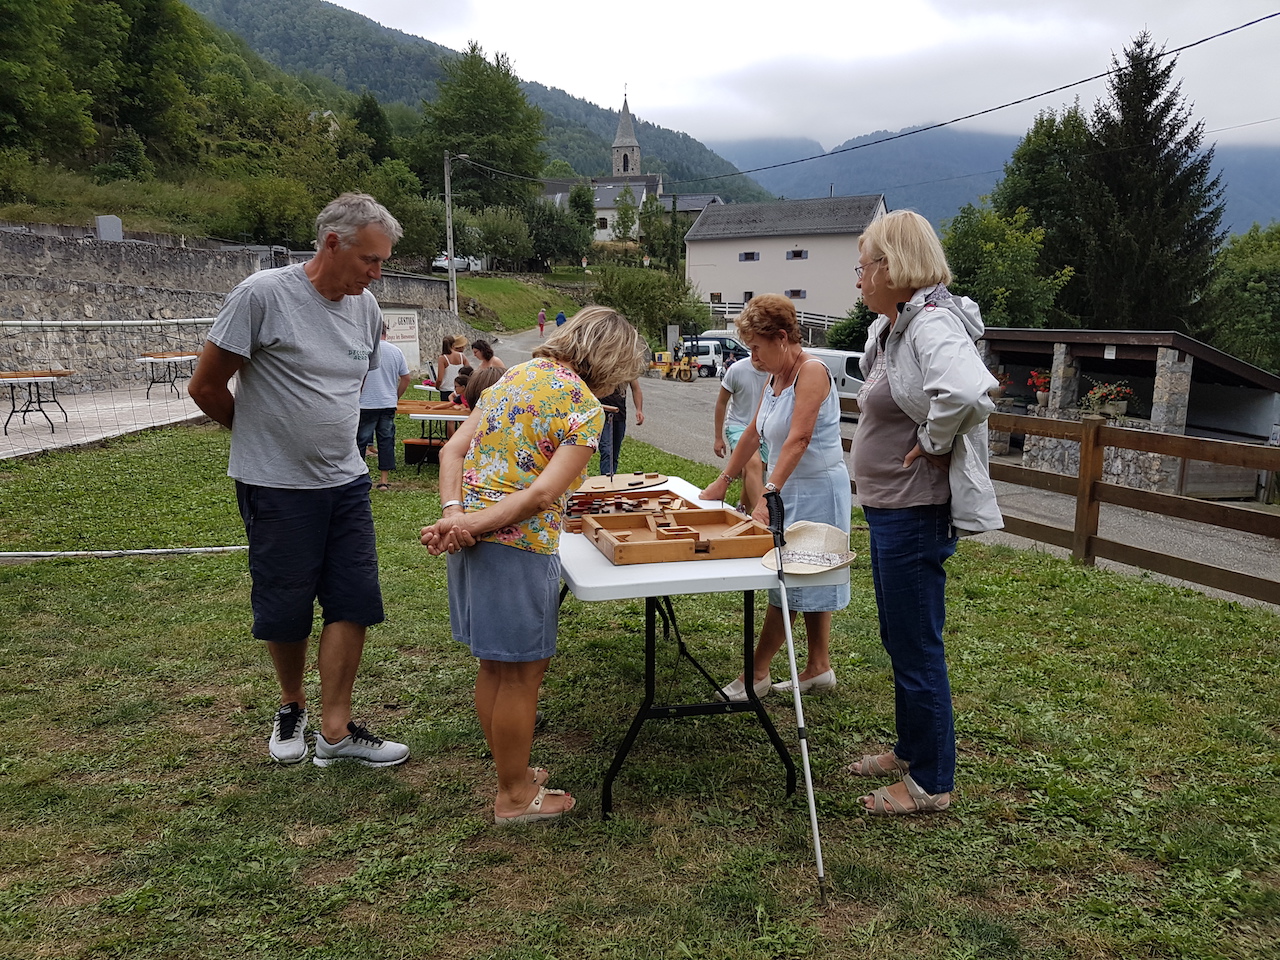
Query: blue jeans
[615, 428]
[382, 423]
[908, 549]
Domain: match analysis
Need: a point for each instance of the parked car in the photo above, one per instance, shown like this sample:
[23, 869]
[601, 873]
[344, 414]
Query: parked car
[707, 355]
[730, 347]
[460, 264]
[844, 369]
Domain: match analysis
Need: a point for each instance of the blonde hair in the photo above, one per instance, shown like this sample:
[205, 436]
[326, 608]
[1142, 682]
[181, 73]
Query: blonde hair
[911, 249]
[767, 315]
[602, 347]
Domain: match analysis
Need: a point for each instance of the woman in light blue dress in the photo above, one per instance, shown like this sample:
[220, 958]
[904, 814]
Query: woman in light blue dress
[799, 419]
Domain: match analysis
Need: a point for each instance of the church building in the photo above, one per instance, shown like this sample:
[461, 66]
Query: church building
[607, 190]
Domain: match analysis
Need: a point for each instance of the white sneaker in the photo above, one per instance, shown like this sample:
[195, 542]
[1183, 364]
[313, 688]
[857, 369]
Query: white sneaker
[738, 690]
[288, 743]
[823, 681]
[361, 746]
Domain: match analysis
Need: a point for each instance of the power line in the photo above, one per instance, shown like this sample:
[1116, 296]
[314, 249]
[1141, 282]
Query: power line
[979, 113]
[494, 171]
[984, 173]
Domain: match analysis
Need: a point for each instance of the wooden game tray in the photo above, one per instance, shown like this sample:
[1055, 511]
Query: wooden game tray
[428, 406]
[591, 503]
[621, 481]
[677, 535]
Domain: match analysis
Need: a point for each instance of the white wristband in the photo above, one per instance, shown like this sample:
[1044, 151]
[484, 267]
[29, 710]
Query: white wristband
[450, 503]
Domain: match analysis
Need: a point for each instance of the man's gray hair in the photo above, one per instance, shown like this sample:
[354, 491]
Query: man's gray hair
[351, 212]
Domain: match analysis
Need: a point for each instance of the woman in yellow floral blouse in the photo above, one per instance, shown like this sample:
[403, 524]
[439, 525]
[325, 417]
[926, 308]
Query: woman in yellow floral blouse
[504, 480]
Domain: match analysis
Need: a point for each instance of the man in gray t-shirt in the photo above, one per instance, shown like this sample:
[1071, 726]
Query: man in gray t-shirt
[302, 339]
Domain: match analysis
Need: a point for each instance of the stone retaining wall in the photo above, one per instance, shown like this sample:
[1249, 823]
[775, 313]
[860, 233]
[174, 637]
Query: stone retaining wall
[106, 303]
[1127, 468]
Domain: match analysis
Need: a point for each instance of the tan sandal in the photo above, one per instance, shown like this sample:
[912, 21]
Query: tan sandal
[870, 766]
[533, 811]
[884, 804]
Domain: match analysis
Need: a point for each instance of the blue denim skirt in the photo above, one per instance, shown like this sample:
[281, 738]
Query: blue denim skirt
[504, 603]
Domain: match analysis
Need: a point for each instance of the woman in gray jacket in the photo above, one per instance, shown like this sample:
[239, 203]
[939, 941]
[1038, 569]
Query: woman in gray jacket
[920, 464]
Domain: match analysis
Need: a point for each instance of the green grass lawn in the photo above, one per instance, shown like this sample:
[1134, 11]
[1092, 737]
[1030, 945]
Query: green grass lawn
[1118, 787]
[515, 302]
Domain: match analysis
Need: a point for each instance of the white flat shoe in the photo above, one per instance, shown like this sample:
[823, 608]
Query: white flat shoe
[738, 690]
[823, 681]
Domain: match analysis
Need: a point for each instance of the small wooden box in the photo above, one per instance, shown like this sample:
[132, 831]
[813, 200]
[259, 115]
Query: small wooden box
[676, 535]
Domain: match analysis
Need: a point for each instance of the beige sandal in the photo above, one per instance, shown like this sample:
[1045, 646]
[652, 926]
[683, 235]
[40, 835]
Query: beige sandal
[870, 766]
[533, 811]
[884, 804]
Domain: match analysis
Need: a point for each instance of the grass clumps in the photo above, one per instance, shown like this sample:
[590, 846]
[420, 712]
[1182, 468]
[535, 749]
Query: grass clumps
[1116, 787]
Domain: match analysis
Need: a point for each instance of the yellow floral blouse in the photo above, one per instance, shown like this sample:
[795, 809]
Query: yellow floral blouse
[524, 418]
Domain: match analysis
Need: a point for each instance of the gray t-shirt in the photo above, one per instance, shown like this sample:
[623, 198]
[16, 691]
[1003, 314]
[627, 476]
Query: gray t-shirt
[382, 385]
[298, 399]
[744, 383]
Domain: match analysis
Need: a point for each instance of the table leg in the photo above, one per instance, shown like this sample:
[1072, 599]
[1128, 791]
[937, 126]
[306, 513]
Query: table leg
[748, 672]
[53, 393]
[661, 606]
[13, 406]
[650, 669]
[36, 402]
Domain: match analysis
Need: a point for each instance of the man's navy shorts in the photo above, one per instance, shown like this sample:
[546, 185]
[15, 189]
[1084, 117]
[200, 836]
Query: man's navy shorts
[306, 545]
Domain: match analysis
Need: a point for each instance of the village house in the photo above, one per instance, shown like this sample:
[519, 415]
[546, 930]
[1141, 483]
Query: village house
[803, 249]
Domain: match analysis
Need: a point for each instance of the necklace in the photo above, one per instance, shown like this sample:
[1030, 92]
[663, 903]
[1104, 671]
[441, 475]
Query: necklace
[794, 365]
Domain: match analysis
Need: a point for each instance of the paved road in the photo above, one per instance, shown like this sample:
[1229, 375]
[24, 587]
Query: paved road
[678, 419]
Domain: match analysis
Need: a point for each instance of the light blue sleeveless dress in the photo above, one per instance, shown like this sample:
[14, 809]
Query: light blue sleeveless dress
[817, 490]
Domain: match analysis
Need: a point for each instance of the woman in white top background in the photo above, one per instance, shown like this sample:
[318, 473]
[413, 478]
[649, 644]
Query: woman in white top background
[450, 361]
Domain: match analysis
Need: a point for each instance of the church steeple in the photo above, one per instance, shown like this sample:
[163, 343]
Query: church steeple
[626, 148]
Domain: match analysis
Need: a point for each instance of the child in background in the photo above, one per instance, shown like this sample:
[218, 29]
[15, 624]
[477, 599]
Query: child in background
[460, 381]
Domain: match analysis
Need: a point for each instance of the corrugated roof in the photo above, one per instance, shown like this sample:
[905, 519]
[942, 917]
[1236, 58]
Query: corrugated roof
[786, 218]
[692, 202]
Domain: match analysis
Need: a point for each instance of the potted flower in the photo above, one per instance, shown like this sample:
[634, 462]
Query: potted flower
[1003, 380]
[1109, 399]
[1039, 382]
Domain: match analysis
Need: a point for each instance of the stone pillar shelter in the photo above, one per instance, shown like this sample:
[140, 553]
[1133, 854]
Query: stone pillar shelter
[1180, 386]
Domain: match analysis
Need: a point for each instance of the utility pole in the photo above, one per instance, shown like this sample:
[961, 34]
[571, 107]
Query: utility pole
[448, 226]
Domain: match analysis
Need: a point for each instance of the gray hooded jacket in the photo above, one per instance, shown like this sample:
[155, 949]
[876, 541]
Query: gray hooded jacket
[938, 379]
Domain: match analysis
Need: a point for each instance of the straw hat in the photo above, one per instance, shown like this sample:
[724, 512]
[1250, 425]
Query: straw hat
[460, 342]
[811, 548]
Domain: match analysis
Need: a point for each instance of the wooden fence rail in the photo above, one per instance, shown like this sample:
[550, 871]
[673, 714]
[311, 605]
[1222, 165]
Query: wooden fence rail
[1091, 491]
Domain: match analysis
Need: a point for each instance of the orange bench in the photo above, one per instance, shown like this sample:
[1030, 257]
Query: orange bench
[422, 450]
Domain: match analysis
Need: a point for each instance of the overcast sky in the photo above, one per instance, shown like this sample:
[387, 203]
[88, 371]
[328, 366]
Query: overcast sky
[835, 69]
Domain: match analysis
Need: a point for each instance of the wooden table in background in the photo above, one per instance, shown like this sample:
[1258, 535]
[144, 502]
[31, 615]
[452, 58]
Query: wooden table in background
[168, 368]
[32, 381]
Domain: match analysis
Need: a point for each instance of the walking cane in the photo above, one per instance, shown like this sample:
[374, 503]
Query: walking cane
[773, 500]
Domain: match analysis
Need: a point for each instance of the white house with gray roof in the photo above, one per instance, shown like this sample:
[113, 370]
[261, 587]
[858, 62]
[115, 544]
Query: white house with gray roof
[803, 249]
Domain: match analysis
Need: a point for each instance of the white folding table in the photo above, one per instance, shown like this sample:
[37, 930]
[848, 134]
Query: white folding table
[168, 368]
[589, 575]
[32, 382]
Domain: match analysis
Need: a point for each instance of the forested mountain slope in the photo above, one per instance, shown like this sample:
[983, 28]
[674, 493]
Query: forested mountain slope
[311, 36]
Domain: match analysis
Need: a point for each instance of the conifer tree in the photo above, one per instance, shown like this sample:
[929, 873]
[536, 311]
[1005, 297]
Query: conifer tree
[1126, 197]
[1152, 206]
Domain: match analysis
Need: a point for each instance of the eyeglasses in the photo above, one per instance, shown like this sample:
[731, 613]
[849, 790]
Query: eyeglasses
[862, 266]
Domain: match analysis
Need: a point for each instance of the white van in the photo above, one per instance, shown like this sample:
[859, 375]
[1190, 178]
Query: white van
[730, 346]
[707, 355]
[844, 368]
